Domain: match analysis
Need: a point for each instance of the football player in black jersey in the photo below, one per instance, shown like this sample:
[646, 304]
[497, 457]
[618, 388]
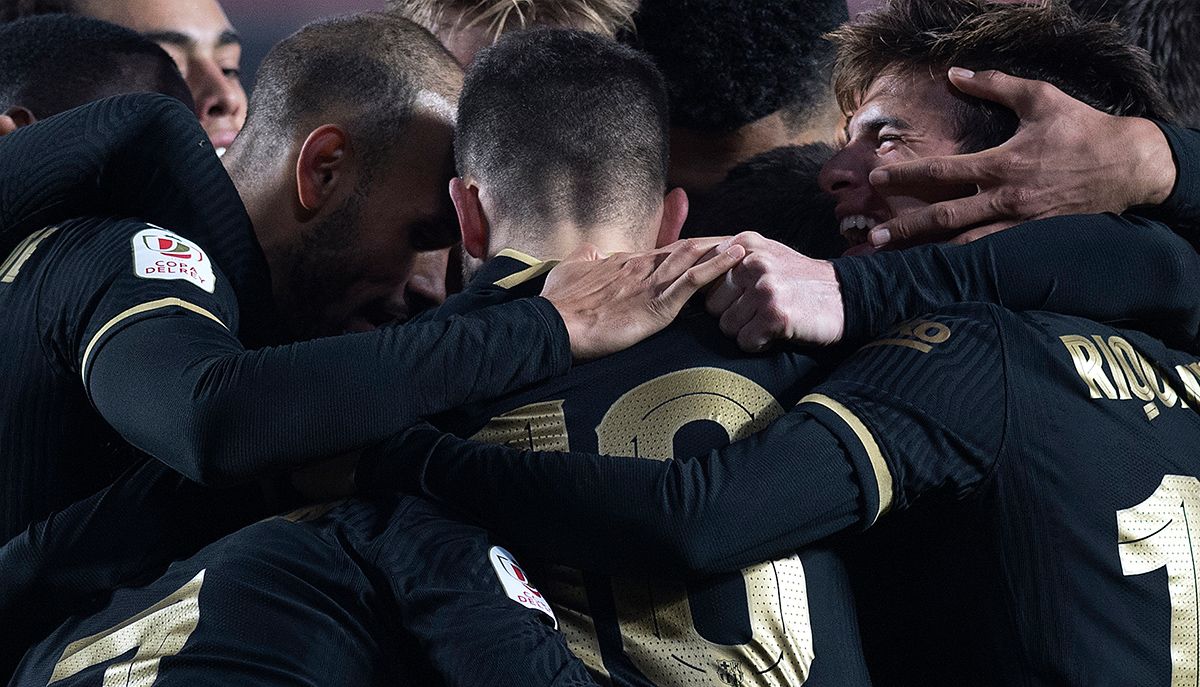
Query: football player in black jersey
[552, 186]
[362, 592]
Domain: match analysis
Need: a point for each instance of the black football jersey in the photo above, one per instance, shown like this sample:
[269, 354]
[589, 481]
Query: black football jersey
[688, 389]
[380, 592]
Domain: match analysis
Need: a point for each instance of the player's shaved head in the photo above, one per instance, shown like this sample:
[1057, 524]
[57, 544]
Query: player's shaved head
[369, 72]
[53, 63]
[564, 127]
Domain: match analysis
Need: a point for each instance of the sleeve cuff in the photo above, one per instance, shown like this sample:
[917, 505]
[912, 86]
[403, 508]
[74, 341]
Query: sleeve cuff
[875, 477]
[1184, 201]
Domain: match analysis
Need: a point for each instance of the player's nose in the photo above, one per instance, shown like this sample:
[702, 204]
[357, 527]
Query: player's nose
[426, 287]
[842, 172]
[217, 94]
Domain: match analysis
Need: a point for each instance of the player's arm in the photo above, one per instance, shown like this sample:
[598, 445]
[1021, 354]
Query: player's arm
[161, 362]
[1102, 267]
[888, 426]
[1066, 158]
[148, 517]
[469, 605]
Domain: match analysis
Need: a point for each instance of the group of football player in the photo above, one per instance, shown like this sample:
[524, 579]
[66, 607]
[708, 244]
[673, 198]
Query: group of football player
[601, 342]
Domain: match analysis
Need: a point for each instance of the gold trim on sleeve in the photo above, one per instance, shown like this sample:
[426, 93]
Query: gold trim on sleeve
[21, 254]
[137, 310]
[883, 476]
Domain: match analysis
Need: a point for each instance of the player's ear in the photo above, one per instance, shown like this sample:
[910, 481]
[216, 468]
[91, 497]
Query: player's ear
[14, 118]
[471, 219]
[674, 214]
[321, 166]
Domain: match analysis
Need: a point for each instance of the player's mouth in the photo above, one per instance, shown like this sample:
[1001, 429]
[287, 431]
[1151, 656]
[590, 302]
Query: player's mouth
[222, 140]
[855, 227]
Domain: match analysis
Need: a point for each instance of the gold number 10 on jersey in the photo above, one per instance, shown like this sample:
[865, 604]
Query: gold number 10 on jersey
[1162, 531]
[657, 627]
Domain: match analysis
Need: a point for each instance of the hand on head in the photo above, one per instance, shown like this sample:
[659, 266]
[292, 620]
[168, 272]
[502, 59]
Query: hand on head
[610, 303]
[1066, 158]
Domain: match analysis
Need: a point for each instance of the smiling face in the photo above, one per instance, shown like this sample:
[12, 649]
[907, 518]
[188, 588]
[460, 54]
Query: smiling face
[901, 118]
[198, 36]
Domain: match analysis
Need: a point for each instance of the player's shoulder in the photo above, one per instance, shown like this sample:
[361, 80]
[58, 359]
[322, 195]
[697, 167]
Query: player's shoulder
[962, 329]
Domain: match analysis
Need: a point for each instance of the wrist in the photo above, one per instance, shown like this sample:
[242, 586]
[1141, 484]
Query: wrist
[1153, 172]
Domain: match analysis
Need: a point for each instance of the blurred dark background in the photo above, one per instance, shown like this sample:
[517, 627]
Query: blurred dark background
[262, 23]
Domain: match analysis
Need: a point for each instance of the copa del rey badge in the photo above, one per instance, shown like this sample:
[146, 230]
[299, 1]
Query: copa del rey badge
[517, 585]
[159, 254]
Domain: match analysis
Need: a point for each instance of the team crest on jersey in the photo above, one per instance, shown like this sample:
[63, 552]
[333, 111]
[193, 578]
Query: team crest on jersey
[159, 254]
[516, 583]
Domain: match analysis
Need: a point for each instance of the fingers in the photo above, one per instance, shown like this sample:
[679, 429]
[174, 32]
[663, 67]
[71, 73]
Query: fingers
[936, 220]
[1023, 96]
[971, 168]
[980, 232]
[584, 253]
[677, 294]
[724, 293]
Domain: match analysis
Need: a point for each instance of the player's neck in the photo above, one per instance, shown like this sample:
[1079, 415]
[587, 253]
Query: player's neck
[564, 239]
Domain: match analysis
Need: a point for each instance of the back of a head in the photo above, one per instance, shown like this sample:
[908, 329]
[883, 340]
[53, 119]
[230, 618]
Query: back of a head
[564, 127]
[604, 17]
[776, 194]
[370, 72]
[55, 62]
[1169, 30]
[728, 63]
[1089, 60]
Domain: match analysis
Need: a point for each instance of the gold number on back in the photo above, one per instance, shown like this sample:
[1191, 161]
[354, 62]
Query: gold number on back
[1163, 531]
[656, 620]
[158, 631]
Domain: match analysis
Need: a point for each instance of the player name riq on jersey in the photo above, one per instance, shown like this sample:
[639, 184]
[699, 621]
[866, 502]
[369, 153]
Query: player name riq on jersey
[1113, 369]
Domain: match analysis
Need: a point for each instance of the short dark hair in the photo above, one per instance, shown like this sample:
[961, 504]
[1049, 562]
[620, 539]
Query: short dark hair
[1169, 31]
[605, 17]
[11, 10]
[564, 124]
[1089, 60]
[367, 70]
[55, 62]
[776, 194]
[730, 62]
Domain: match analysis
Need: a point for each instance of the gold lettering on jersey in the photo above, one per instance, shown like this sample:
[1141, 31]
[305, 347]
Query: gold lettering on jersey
[565, 590]
[1113, 369]
[657, 627]
[1090, 366]
[534, 427]
[1190, 376]
[161, 630]
[16, 260]
[919, 335]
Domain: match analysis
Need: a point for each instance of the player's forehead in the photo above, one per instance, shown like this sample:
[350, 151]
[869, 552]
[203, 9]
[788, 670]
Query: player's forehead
[181, 23]
[907, 101]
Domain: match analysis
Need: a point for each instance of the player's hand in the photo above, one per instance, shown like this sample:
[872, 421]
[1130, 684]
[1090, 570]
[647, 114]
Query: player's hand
[611, 303]
[1066, 158]
[777, 294]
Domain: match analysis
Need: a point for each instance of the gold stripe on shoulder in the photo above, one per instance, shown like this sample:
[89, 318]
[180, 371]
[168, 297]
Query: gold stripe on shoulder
[883, 476]
[137, 310]
[16, 260]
